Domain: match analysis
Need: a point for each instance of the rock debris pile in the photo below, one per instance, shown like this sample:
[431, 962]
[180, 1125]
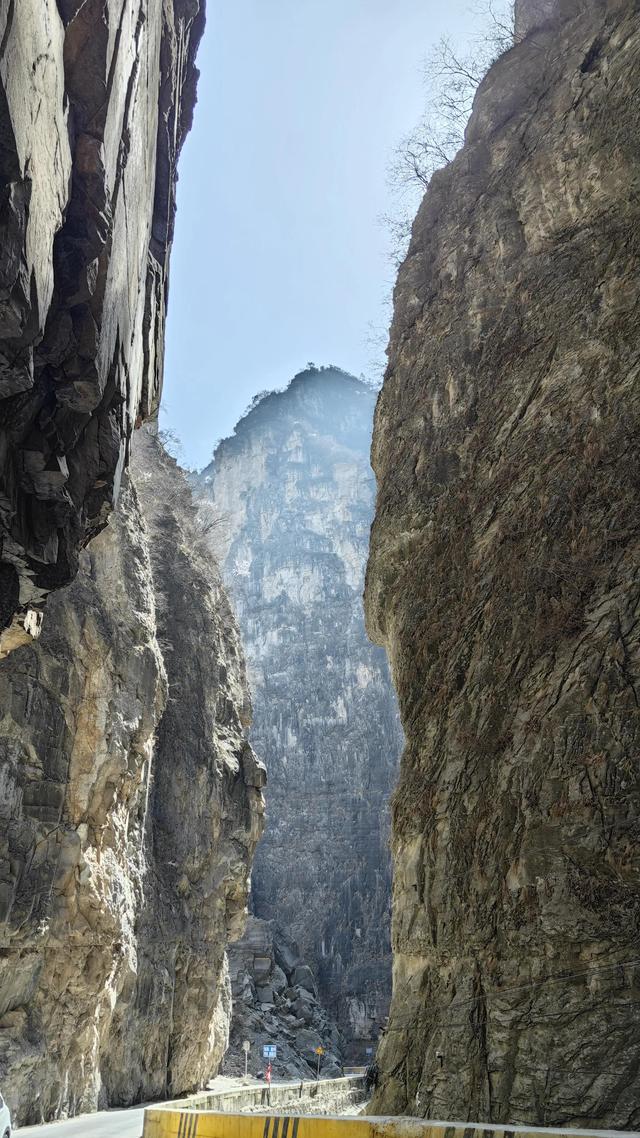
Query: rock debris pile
[275, 1001]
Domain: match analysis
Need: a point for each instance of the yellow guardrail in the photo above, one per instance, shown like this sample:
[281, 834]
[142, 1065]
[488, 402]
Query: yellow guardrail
[168, 1122]
[337, 1093]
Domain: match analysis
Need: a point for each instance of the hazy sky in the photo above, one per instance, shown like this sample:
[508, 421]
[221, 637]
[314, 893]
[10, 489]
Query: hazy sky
[279, 256]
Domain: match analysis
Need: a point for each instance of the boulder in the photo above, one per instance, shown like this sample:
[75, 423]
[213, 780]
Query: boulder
[306, 1042]
[262, 966]
[278, 979]
[303, 978]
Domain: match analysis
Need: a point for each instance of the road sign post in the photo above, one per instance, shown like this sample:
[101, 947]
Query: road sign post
[319, 1053]
[246, 1047]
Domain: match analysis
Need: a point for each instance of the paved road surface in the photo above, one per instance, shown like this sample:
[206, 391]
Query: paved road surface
[114, 1123]
[124, 1123]
[105, 1124]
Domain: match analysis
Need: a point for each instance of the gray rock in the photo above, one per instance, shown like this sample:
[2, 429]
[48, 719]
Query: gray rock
[262, 966]
[503, 579]
[303, 978]
[305, 1009]
[306, 1042]
[331, 1070]
[530, 14]
[286, 955]
[268, 1017]
[296, 490]
[278, 980]
[95, 109]
[114, 728]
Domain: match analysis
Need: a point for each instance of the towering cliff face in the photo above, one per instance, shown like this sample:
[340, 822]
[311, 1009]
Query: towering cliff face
[503, 580]
[131, 805]
[293, 491]
[95, 100]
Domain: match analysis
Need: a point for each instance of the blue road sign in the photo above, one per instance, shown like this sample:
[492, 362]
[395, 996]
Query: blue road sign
[269, 1051]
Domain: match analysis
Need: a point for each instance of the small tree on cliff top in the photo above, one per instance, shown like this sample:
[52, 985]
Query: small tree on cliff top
[451, 81]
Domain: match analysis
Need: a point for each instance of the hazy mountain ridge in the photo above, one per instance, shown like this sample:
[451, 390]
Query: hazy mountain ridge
[294, 491]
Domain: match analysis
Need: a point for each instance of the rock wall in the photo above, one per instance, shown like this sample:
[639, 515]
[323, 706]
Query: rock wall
[131, 805]
[95, 99]
[293, 497]
[503, 581]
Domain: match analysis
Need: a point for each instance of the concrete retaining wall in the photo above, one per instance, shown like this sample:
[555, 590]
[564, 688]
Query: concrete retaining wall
[304, 1097]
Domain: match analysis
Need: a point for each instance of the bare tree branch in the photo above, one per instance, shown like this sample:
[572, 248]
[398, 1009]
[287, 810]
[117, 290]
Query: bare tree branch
[451, 80]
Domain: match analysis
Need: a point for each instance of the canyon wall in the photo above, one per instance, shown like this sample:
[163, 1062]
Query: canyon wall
[503, 581]
[95, 99]
[292, 497]
[130, 806]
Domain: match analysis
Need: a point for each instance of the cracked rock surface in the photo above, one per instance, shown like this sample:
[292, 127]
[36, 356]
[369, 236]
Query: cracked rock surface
[503, 581]
[95, 100]
[130, 807]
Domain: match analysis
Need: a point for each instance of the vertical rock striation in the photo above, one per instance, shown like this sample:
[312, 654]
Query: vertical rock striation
[503, 580]
[293, 493]
[95, 100]
[131, 805]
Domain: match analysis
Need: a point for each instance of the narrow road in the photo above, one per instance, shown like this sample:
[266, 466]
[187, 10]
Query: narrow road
[104, 1124]
[126, 1123]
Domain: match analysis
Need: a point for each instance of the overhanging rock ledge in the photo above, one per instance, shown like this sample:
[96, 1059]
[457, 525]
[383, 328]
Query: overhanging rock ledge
[95, 100]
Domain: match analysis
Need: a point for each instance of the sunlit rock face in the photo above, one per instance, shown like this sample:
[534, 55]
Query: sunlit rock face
[293, 496]
[130, 806]
[95, 99]
[503, 581]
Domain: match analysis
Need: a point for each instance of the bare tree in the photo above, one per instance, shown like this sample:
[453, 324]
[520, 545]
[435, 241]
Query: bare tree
[451, 81]
[170, 440]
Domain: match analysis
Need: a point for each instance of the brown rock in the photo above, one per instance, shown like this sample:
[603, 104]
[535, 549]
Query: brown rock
[503, 582]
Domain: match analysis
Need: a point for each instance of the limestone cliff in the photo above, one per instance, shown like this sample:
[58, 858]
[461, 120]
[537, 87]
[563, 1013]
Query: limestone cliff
[95, 100]
[503, 581]
[293, 495]
[131, 805]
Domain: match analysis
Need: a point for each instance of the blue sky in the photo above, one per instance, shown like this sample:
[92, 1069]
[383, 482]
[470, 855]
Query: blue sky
[279, 255]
